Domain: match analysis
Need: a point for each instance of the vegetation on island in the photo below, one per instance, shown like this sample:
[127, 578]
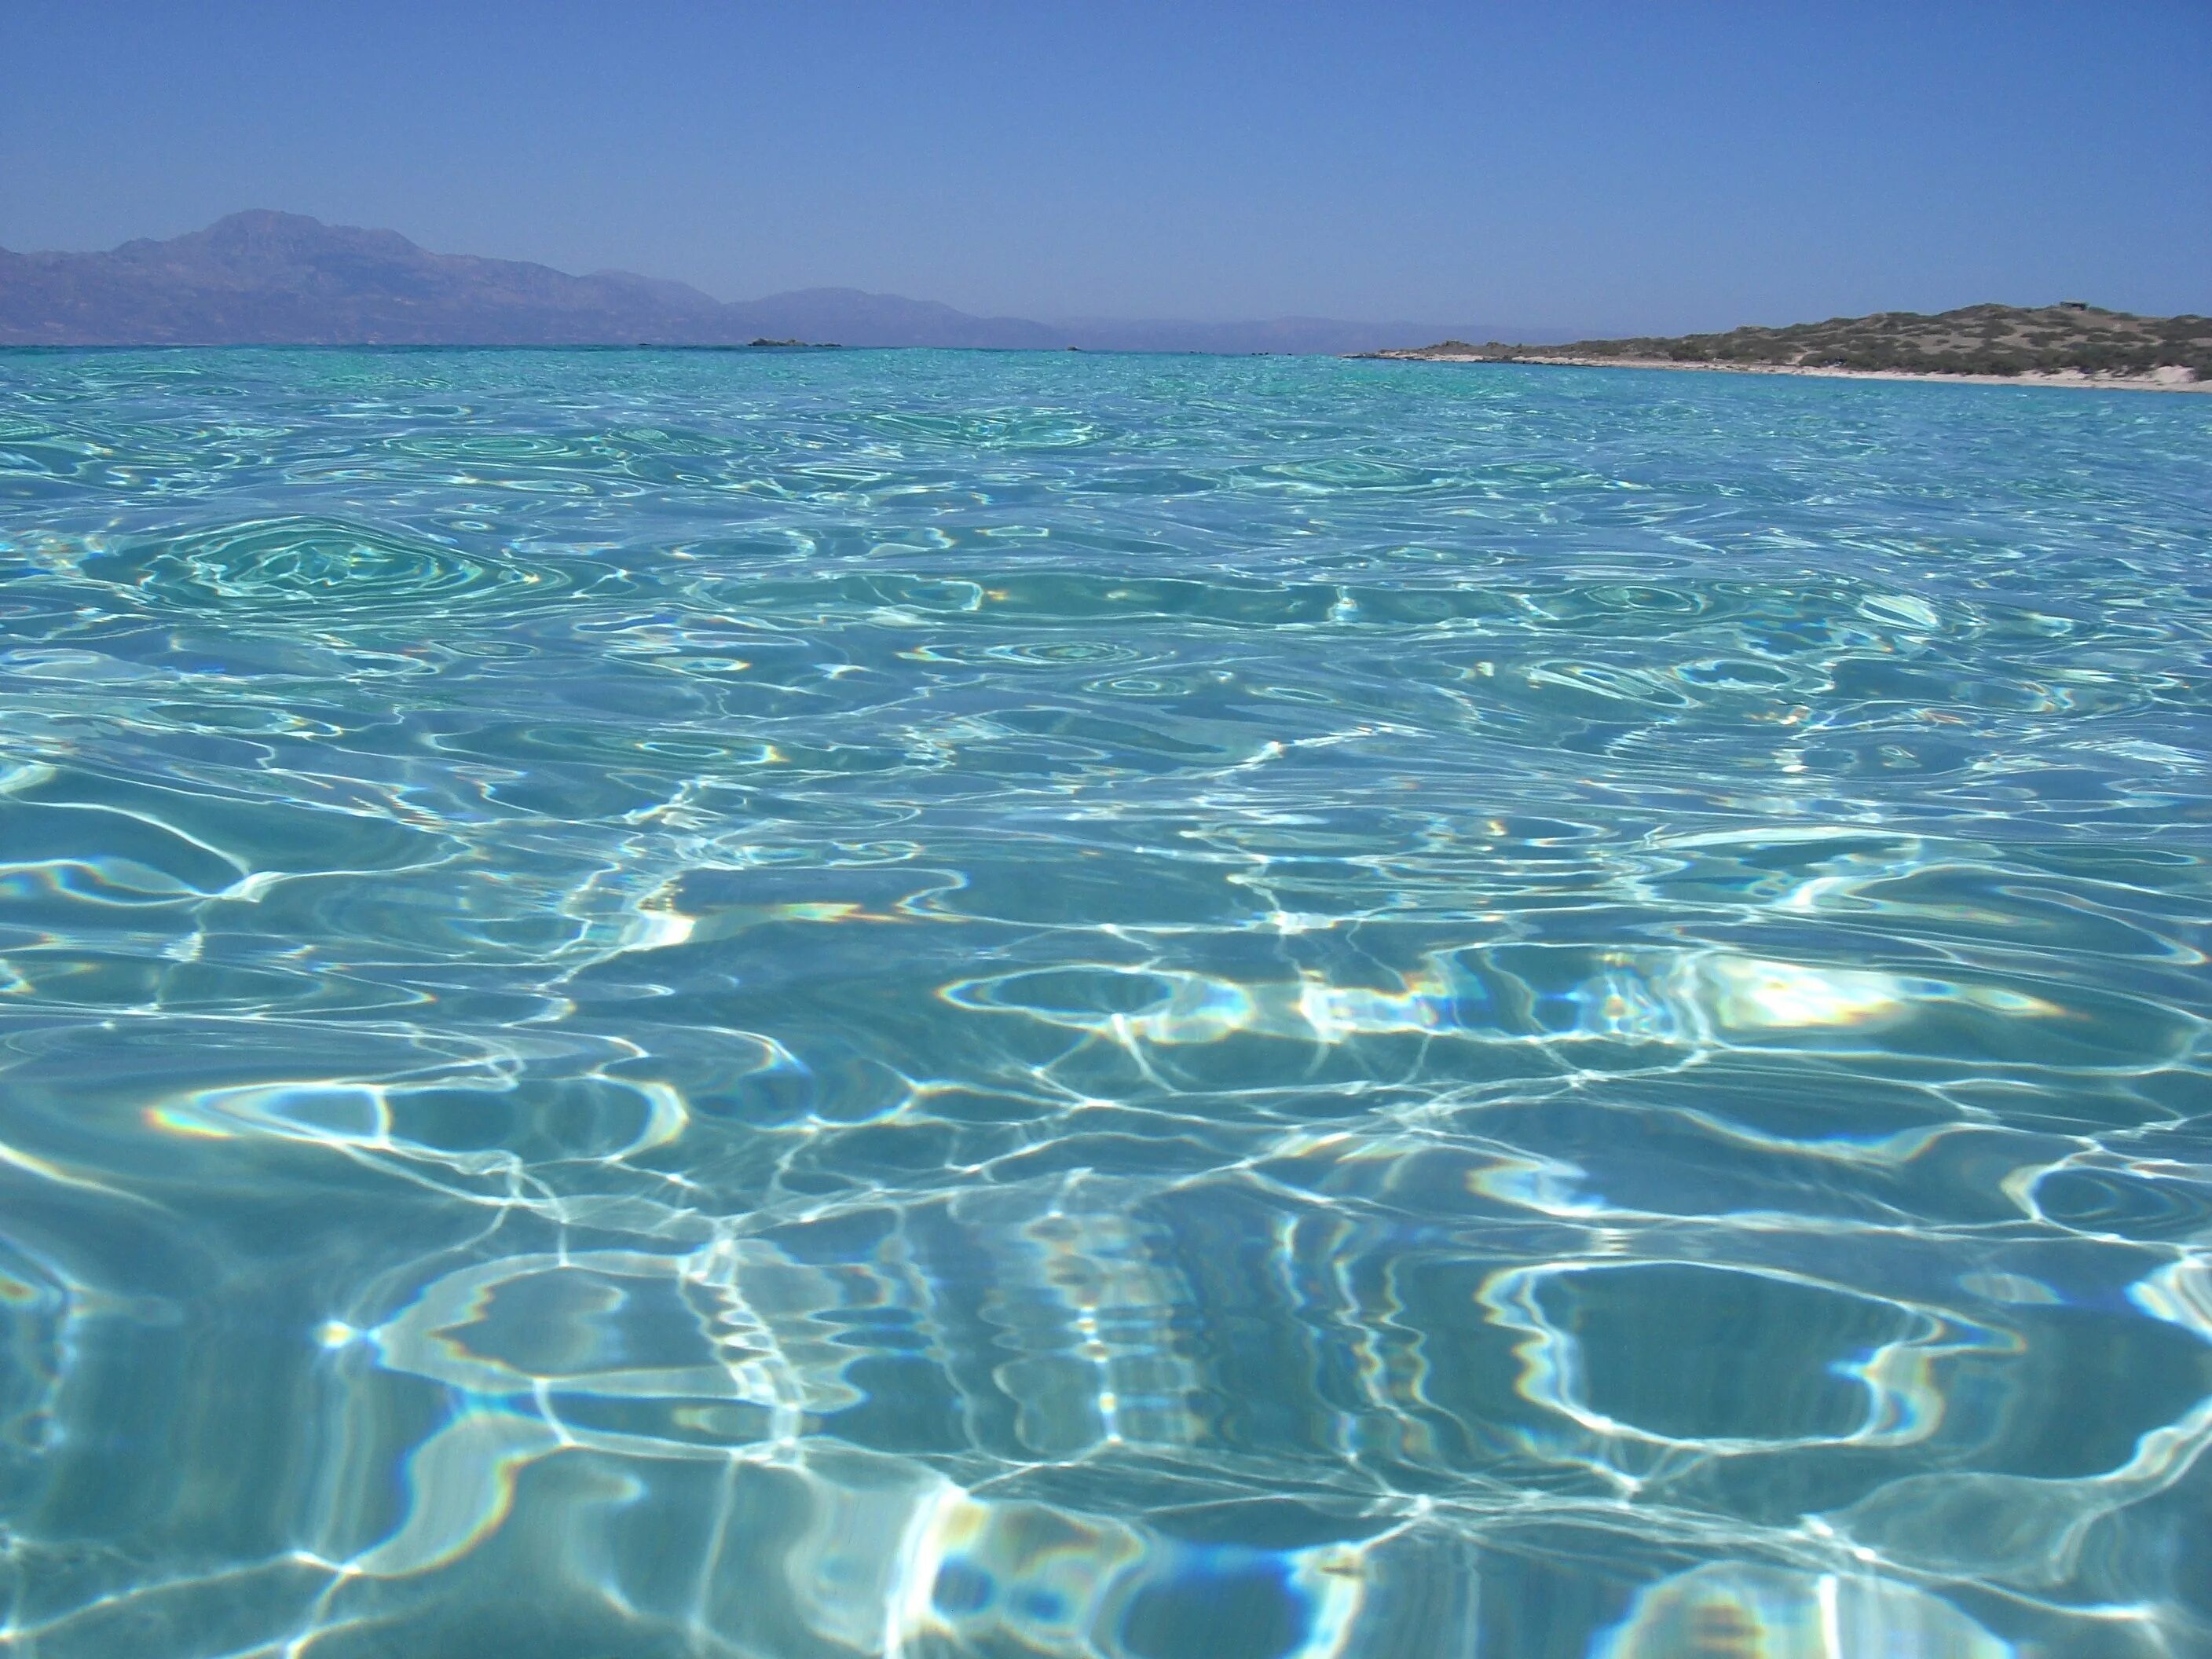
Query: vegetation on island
[1985, 339]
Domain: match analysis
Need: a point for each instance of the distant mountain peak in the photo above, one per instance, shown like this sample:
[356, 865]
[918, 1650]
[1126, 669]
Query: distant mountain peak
[270, 222]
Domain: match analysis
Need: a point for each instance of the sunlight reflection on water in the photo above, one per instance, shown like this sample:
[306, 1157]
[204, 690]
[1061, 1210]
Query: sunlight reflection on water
[933, 1005]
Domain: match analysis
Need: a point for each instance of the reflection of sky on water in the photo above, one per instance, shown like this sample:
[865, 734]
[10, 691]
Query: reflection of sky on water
[951, 1007]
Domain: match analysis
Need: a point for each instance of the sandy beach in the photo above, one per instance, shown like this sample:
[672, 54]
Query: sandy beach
[2159, 380]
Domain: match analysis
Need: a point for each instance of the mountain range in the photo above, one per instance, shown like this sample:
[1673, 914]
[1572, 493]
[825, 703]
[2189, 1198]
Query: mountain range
[266, 278]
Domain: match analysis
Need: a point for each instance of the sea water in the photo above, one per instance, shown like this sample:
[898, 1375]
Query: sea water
[925, 1004]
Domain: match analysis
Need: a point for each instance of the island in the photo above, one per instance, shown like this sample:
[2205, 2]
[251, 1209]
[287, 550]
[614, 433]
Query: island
[2071, 342]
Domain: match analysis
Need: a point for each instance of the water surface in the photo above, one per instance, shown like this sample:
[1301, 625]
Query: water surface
[1044, 1007]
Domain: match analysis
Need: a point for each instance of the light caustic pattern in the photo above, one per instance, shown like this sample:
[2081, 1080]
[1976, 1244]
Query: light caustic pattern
[903, 1006]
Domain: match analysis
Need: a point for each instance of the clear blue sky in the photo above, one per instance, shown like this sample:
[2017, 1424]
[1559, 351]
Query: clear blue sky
[1627, 166]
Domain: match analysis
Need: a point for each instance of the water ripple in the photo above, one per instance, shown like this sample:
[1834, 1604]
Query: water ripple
[261, 569]
[917, 1006]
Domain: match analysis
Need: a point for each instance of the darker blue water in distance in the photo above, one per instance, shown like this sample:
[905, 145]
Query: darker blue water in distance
[914, 1004]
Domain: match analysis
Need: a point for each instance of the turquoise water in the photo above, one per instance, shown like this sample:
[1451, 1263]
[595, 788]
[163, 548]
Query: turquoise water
[927, 1005]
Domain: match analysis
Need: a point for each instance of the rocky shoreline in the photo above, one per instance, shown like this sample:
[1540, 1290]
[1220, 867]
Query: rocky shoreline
[2070, 343]
[2157, 379]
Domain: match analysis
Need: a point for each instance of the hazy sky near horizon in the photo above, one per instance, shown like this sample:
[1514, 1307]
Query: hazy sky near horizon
[1602, 166]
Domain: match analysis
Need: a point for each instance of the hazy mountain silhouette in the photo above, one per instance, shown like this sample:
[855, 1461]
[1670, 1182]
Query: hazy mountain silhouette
[284, 278]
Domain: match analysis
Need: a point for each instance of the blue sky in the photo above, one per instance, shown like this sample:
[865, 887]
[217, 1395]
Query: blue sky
[1631, 165]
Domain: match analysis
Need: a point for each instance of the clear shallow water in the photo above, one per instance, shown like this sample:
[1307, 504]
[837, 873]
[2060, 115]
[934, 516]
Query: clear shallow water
[1113, 1008]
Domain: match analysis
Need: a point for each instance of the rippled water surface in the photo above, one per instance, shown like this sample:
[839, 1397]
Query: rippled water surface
[925, 1004]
